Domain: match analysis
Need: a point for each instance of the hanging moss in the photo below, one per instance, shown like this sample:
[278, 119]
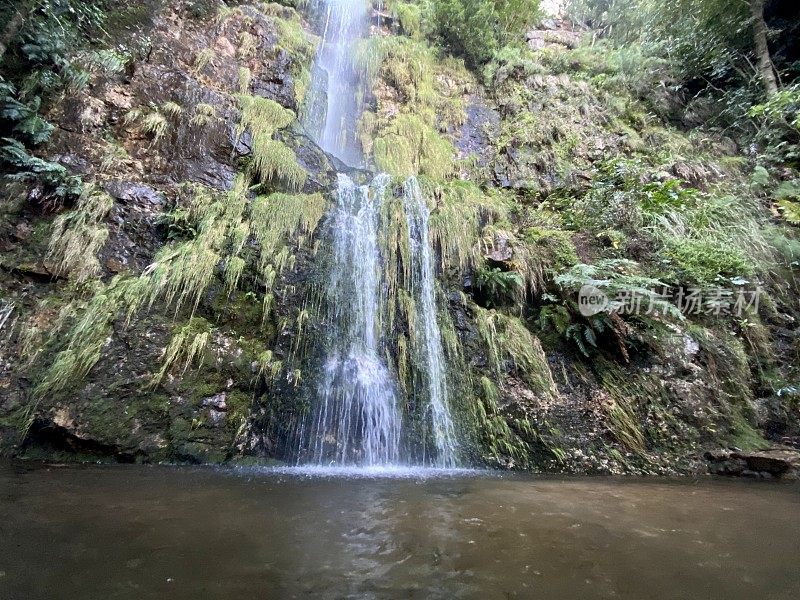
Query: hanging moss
[410, 147]
[410, 18]
[79, 235]
[279, 216]
[271, 159]
[275, 160]
[457, 220]
[183, 271]
[431, 94]
[511, 344]
[187, 345]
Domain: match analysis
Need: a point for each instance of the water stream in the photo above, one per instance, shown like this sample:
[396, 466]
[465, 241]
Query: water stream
[334, 112]
[428, 336]
[356, 418]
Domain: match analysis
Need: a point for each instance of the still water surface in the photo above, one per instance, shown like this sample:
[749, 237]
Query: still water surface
[158, 532]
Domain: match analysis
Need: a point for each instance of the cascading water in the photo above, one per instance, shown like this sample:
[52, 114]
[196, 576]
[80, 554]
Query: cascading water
[331, 118]
[356, 419]
[427, 333]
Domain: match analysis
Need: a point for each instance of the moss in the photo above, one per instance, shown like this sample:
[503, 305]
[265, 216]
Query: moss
[155, 124]
[79, 235]
[509, 341]
[173, 109]
[245, 77]
[202, 59]
[554, 246]
[271, 159]
[410, 18]
[457, 221]
[707, 261]
[430, 91]
[188, 344]
[239, 407]
[203, 115]
[247, 45]
[410, 147]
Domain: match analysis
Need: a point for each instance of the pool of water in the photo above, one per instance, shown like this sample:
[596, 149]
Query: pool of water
[157, 532]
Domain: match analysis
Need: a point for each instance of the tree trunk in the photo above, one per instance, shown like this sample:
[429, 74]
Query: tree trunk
[765, 68]
[13, 26]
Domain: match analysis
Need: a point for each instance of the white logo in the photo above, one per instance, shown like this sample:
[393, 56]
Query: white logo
[591, 301]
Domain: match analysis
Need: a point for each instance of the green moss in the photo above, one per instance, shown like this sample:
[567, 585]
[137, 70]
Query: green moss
[430, 91]
[79, 235]
[707, 261]
[410, 147]
[554, 246]
[188, 344]
[271, 159]
[457, 221]
[300, 46]
[410, 17]
[202, 59]
[239, 407]
[511, 344]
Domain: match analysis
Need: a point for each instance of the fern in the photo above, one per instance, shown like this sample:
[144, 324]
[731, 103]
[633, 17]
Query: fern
[499, 287]
[56, 180]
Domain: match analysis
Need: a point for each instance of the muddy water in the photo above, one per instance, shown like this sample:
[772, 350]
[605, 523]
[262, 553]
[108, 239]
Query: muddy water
[157, 532]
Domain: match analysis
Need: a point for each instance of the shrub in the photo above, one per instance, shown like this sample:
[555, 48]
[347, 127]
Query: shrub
[476, 29]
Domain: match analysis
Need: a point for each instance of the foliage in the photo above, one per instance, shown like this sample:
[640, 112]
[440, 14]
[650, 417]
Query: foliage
[499, 287]
[58, 184]
[511, 344]
[218, 226]
[203, 114]
[430, 90]
[410, 18]
[475, 29]
[554, 247]
[462, 209]
[707, 261]
[23, 117]
[202, 59]
[188, 344]
[619, 279]
[410, 147]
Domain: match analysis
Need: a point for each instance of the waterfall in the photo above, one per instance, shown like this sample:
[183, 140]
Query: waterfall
[355, 418]
[427, 333]
[333, 106]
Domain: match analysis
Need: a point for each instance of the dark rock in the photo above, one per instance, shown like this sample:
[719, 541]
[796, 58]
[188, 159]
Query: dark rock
[775, 462]
[129, 191]
[480, 128]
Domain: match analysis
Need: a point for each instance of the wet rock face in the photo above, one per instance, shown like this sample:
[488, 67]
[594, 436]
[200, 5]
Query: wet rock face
[479, 131]
[189, 418]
